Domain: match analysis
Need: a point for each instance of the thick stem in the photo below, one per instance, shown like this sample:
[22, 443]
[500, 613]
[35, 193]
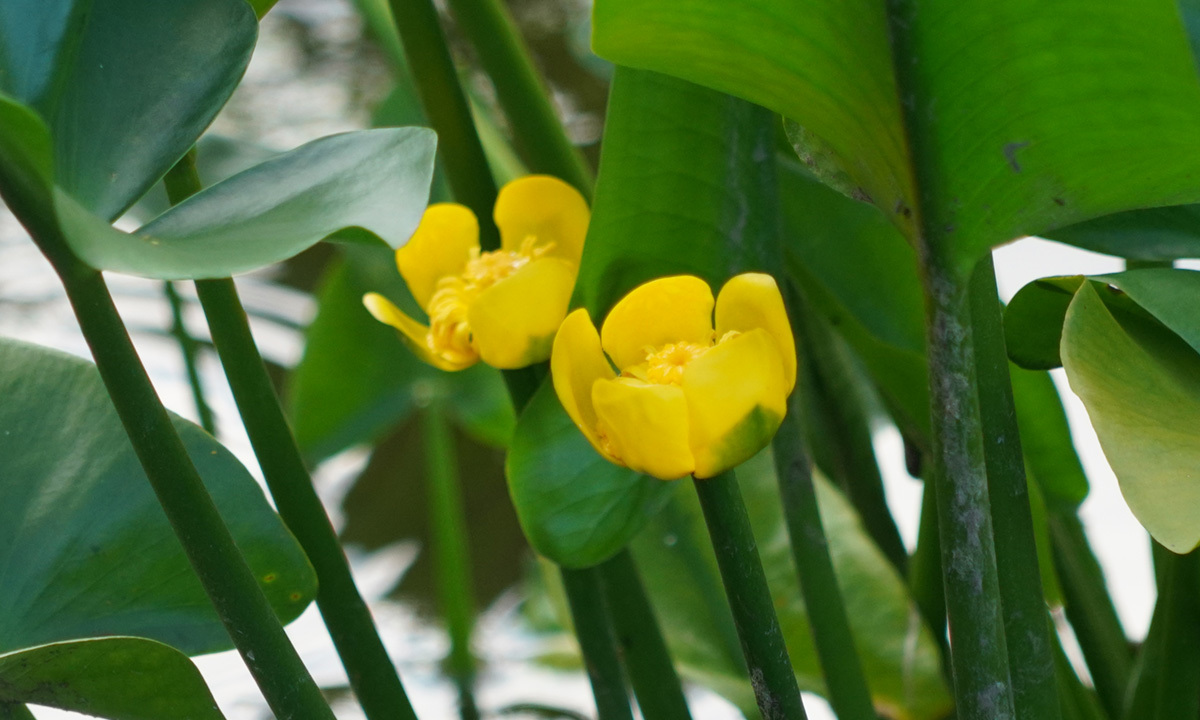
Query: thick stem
[450, 554]
[448, 111]
[1090, 611]
[189, 349]
[371, 673]
[651, 671]
[539, 134]
[239, 602]
[1167, 683]
[979, 653]
[771, 673]
[585, 594]
[1027, 626]
[849, 694]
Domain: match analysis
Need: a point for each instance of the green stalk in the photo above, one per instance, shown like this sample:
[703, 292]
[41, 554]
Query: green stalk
[372, 675]
[651, 671]
[1090, 611]
[1167, 683]
[15, 711]
[539, 134]
[449, 113]
[771, 673]
[850, 446]
[1078, 701]
[925, 573]
[1026, 620]
[585, 594]
[979, 653]
[188, 348]
[239, 602]
[450, 554]
[849, 694]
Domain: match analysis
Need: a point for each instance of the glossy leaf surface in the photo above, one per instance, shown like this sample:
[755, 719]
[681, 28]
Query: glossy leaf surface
[897, 651]
[122, 678]
[1018, 117]
[576, 507]
[124, 86]
[85, 549]
[377, 180]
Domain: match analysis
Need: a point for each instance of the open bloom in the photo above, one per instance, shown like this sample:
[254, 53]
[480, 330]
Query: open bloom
[686, 398]
[503, 306]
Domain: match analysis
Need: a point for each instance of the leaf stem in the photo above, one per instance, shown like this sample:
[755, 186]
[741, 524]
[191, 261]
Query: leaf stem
[449, 114]
[540, 136]
[189, 349]
[1026, 619]
[771, 673]
[849, 694]
[979, 652]
[239, 602]
[651, 671]
[372, 675]
[1090, 611]
[450, 554]
[585, 594]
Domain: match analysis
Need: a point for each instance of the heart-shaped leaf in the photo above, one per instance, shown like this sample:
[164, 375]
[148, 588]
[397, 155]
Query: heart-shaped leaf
[576, 507]
[85, 548]
[122, 678]
[1016, 117]
[123, 86]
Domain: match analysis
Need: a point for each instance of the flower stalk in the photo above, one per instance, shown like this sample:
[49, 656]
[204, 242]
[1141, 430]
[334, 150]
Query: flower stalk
[771, 673]
[370, 670]
[585, 595]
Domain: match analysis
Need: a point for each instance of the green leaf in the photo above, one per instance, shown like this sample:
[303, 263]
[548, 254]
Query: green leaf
[125, 86]
[377, 180]
[688, 188]
[1140, 383]
[357, 379]
[1033, 321]
[123, 678]
[85, 548]
[898, 653]
[1046, 440]
[1164, 233]
[1021, 117]
[575, 507]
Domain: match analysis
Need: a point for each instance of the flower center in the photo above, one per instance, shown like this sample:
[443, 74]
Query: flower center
[665, 366]
[449, 332]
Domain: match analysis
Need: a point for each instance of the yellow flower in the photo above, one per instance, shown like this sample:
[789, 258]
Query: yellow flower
[689, 399]
[503, 306]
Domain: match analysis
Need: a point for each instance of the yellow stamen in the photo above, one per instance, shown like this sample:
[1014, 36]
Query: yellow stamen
[449, 332]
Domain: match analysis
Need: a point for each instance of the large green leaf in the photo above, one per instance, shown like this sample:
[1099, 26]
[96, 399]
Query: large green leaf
[1164, 233]
[576, 507]
[123, 678]
[377, 180]
[1017, 117]
[85, 548]
[1133, 357]
[357, 379]
[124, 86]
[687, 188]
[898, 653]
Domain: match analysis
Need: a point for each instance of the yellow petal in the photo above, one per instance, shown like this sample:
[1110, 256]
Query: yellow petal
[440, 246]
[667, 310]
[513, 322]
[752, 300]
[736, 396]
[546, 208]
[645, 425]
[576, 364]
[414, 334]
